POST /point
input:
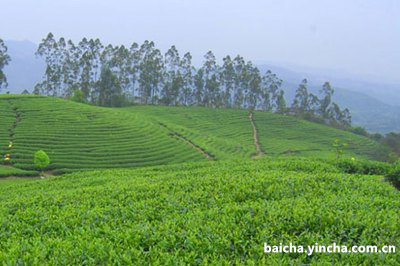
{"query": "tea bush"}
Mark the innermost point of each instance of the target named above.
(217, 213)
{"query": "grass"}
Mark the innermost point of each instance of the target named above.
(169, 215)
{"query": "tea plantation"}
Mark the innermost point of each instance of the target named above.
(177, 186)
(198, 213)
(78, 136)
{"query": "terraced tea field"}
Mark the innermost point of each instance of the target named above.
(169, 215)
(8, 171)
(78, 136)
(228, 133)
(225, 133)
(285, 135)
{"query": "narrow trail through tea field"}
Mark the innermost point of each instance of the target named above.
(259, 151)
(206, 154)
(14, 125)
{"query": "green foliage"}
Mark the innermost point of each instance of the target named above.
(109, 88)
(360, 131)
(356, 166)
(170, 216)
(339, 147)
(41, 159)
(78, 97)
(4, 60)
(394, 175)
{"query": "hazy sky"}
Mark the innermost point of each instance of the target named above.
(357, 36)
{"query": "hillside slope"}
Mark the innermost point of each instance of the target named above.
(228, 133)
(78, 136)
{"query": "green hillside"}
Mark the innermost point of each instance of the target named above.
(169, 215)
(78, 136)
(227, 133)
(282, 135)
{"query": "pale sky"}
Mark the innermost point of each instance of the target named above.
(361, 37)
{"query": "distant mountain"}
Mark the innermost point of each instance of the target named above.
(374, 106)
(25, 69)
(369, 111)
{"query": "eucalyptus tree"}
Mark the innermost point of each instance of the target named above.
(239, 66)
(301, 99)
(325, 102)
(134, 69)
(151, 72)
(4, 60)
(173, 80)
(71, 69)
(49, 49)
(254, 85)
(270, 87)
(227, 78)
(199, 90)
(187, 70)
(280, 102)
(90, 63)
(211, 83)
(109, 88)
(120, 64)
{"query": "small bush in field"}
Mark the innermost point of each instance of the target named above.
(41, 159)
(353, 166)
(394, 176)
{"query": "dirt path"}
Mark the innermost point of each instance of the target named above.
(259, 151)
(11, 130)
(190, 143)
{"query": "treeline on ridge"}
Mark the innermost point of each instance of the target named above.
(110, 75)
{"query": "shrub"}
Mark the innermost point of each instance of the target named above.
(41, 159)
(78, 96)
(353, 166)
(394, 176)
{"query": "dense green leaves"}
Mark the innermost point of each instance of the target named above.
(203, 213)
(41, 159)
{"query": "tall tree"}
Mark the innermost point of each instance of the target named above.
(90, 51)
(254, 92)
(199, 87)
(325, 102)
(4, 60)
(109, 88)
(227, 77)
(240, 76)
(211, 83)
(173, 80)
(151, 72)
(270, 91)
(280, 102)
(134, 69)
(48, 49)
(301, 99)
(187, 80)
